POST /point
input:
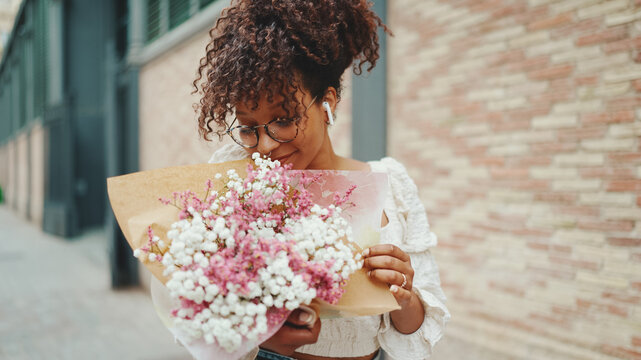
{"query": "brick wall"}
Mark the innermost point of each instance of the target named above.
(520, 122)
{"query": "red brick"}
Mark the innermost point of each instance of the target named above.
(506, 57)
(553, 72)
(607, 225)
(487, 161)
(528, 64)
(637, 85)
(551, 320)
(579, 264)
(530, 184)
(511, 125)
(538, 246)
(556, 198)
(564, 249)
(624, 298)
(527, 14)
(608, 117)
(509, 289)
(627, 242)
(574, 134)
(560, 19)
(553, 272)
(621, 352)
(624, 185)
(608, 35)
(591, 211)
(626, 158)
(509, 173)
(609, 173)
(623, 45)
(554, 95)
(639, 201)
(502, 12)
(467, 237)
(531, 232)
(583, 27)
(629, 103)
(586, 80)
(636, 341)
(530, 161)
(617, 310)
(553, 148)
(533, 109)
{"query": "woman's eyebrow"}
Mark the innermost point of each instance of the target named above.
(272, 106)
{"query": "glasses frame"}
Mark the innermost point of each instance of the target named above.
(266, 127)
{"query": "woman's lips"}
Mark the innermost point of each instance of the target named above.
(284, 158)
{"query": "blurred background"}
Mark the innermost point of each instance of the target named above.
(519, 120)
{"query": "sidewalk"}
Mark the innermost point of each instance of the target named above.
(56, 303)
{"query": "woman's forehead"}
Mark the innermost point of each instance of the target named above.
(264, 104)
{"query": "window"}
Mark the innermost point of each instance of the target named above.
(164, 15)
(153, 19)
(178, 12)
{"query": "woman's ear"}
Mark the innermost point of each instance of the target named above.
(331, 97)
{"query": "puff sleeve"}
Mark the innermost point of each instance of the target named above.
(413, 236)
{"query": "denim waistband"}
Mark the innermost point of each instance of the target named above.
(268, 355)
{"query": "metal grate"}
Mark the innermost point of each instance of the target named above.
(178, 12)
(153, 20)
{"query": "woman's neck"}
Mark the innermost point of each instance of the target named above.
(326, 159)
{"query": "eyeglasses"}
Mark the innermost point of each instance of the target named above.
(282, 130)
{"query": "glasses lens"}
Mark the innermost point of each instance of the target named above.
(244, 136)
(283, 130)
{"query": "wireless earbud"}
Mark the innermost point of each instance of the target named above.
(328, 109)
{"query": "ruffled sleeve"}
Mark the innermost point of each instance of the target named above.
(415, 238)
(228, 152)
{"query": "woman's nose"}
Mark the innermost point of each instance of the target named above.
(265, 143)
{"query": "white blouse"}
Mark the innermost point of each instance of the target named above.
(409, 230)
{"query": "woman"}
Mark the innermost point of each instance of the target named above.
(271, 79)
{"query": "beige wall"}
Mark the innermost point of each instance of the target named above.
(22, 169)
(520, 123)
(10, 193)
(22, 173)
(168, 124)
(37, 190)
(4, 169)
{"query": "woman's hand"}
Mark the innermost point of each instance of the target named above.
(295, 333)
(391, 265)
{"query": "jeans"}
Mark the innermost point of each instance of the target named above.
(268, 355)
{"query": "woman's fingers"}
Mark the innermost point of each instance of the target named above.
(293, 334)
(387, 262)
(386, 249)
(403, 296)
(390, 277)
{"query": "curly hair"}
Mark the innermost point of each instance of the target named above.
(267, 47)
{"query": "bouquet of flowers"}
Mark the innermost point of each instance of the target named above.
(254, 247)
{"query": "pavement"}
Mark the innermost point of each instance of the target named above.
(56, 303)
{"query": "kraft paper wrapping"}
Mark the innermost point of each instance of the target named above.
(134, 200)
